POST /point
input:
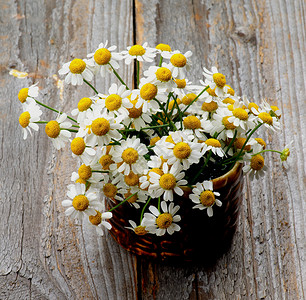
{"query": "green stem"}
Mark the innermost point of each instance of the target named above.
(160, 61)
(268, 150)
(90, 86)
(232, 142)
(122, 202)
(205, 164)
(59, 112)
(118, 76)
(159, 204)
(99, 171)
(144, 208)
(195, 99)
(68, 129)
(166, 114)
(137, 74)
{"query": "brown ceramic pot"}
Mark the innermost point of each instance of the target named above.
(201, 237)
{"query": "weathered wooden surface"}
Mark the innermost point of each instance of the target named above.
(259, 45)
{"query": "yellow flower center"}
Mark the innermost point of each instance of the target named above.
(154, 140)
(180, 83)
(132, 179)
(133, 199)
(188, 98)
(78, 146)
(129, 156)
(167, 181)
(109, 190)
(239, 144)
(157, 171)
(137, 50)
(84, 104)
(24, 119)
(106, 161)
(182, 150)
(133, 111)
(252, 104)
(213, 142)
(274, 107)
(80, 202)
(100, 126)
(257, 162)
(102, 56)
(211, 92)
(52, 129)
(113, 102)
(261, 142)
(207, 198)
(85, 172)
(192, 122)
(164, 220)
(178, 60)
(77, 66)
(228, 101)
(97, 219)
(266, 118)
(163, 47)
(227, 124)
(81, 180)
(163, 74)
(230, 90)
(240, 113)
(23, 95)
(148, 91)
(140, 230)
(211, 106)
(219, 80)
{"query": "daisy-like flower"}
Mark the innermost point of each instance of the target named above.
(99, 221)
(130, 156)
(82, 202)
(141, 53)
(81, 150)
(84, 106)
(105, 157)
(116, 103)
(76, 71)
(214, 145)
(241, 118)
(145, 180)
(183, 87)
(27, 119)
(138, 229)
(139, 197)
(179, 63)
(160, 76)
(182, 150)
(160, 223)
(255, 163)
(137, 117)
(163, 48)
(26, 95)
(266, 119)
(216, 80)
(112, 191)
(105, 58)
(56, 130)
(273, 110)
(204, 196)
(195, 124)
(99, 128)
(168, 183)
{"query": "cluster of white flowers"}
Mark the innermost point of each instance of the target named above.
(144, 144)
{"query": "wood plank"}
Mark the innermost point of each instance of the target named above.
(260, 47)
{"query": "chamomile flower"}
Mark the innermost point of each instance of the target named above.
(216, 80)
(112, 191)
(105, 157)
(99, 220)
(159, 223)
(116, 102)
(99, 129)
(138, 229)
(56, 130)
(136, 197)
(81, 150)
(85, 105)
(204, 196)
(273, 110)
(179, 63)
(183, 87)
(141, 53)
(195, 125)
(131, 154)
(28, 119)
(214, 145)
(26, 95)
(145, 180)
(162, 48)
(105, 58)
(168, 183)
(160, 76)
(270, 122)
(82, 202)
(76, 71)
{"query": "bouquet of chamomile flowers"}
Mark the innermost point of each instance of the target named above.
(139, 146)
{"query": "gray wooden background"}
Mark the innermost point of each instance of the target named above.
(259, 45)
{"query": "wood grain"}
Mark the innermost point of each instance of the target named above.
(259, 46)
